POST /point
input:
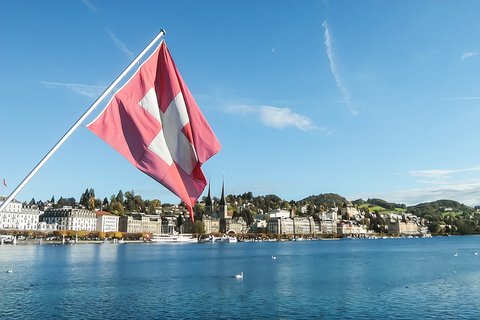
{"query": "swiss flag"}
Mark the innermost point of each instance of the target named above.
(155, 123)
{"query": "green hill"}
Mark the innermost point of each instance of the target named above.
(441, 207)
(326, 199)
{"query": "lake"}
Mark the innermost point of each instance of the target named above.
(420, 278)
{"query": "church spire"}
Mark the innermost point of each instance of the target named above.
(208, 203)
(222, 199)
(222, 205)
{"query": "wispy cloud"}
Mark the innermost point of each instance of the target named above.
(468, 194)
(120, 45)
(439, 173)
(90, 6)
(469, 54)
(461, 98)
(333, 68)
(275, 117)
(83, 89)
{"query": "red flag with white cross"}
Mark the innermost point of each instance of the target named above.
(155, 123)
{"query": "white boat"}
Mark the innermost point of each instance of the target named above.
(175, 238)
(210, 239)
(6, 238)
(226, 239)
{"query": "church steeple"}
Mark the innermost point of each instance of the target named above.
(222, 199)
(208, 203)
(222, 205)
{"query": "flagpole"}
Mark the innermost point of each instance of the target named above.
(79, 121)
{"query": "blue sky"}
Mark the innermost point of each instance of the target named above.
(361, 98)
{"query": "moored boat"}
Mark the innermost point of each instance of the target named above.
(175, 238)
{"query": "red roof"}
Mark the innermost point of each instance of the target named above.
(103, 213)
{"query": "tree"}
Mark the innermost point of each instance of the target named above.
(120, 198)
(98, 204)
(310, 210)
(117, 208)
(61, 203)
(198, 227)
(151, 209)
(91, 203)
(85, 198)
(32, 202)
(105, 204)
(53, 199)
(246, 214)
(198, 210)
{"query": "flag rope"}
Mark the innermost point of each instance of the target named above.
(79, 121)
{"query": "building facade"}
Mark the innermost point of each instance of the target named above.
(106, 221)
(68, 218)
(19, 217)
(235, 225)
(140, 223)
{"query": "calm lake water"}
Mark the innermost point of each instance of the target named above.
(346, 279)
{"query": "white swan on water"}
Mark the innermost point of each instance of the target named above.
(239, 275)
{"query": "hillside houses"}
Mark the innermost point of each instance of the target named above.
(227, 214)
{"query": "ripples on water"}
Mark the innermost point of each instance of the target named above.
(360, 279)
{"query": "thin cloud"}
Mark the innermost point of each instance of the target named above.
(468, 194)
(439, 173)
(469, 54)
(120, 45)
(279, 118)
(83, 89)
(333, 68)
(461, 98)
(90, 6)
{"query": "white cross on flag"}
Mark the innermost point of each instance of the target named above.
(155, 123)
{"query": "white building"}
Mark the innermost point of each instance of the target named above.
(71, 219)
(278, 225)
(259, 226)
(278, 213)
(303, 225)
(106, 221)
(19, 217)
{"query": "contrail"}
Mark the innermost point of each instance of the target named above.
(333, 67)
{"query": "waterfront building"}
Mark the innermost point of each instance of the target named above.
(211, 224)
(350, 229)
(235, 225)
(68, 218)
(45, 227)
(140, 223)
(186, 226)
(169, 224)
(19, 217)
(106, 221)
(303, 225)
(328, 226)
(259, 226)
(396, 225)
(279, 225)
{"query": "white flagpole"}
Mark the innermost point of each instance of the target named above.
(79, 121)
